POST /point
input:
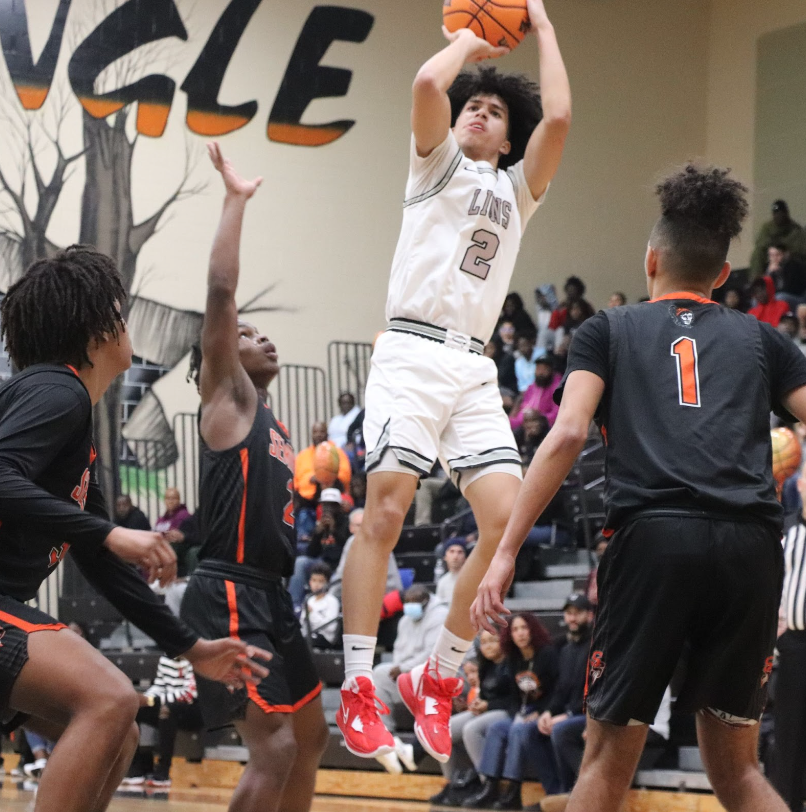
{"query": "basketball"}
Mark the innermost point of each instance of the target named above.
(326, 463)
(503, 23)
(786, 454)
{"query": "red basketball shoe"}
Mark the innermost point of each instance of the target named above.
(360, 722)
(430, 702)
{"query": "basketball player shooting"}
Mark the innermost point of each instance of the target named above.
(482, 156)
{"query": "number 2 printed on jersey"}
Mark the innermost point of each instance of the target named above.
(684, 351)
(477, 258)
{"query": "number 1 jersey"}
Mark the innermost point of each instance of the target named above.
(462, 228)
(686, 409)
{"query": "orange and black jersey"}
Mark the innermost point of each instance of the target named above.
(689, 386)
(246, 499)
(46, 482)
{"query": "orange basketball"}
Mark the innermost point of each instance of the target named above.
(786, 454)
(501, 22)
(326, 463)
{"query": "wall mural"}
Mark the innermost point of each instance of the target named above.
(91, 116)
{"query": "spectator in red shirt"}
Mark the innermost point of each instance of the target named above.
(767, 308)
(574, 291)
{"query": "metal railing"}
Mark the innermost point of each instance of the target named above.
(299, 399)
(347, 370)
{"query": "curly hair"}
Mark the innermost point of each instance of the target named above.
(538, 634)
(702, 210)
(518, 92)
(60, 305)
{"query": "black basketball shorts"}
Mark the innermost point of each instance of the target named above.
(17, 621)
(669, 581)
(257, 610)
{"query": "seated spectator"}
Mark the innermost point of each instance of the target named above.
(186, 544)
(505, 337)
(455, 555)
(175, 512)
(393, 582)
(539, 397)
(129, 516)
(767, 308)
(169, 705)
(574, 290)
(338, 425)
(423, 616)
(307, 488)
(735, 298)
(497, 699)
(327, 542)
(546, 301)
(578, 311)
(533, 659)
(525, 359)
(514, 311)
(358, 489)
(504, 363)
(616, 299)
(789, 275)
(322, 610)
(530, 434)
(356, 448)
(780, 230)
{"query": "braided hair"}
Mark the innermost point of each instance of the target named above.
(520, 94)
(702, 210)
(60, 305)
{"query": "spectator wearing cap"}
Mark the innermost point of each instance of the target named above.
(327, 542)
(455, 555)
(539, 397)
(780, 230)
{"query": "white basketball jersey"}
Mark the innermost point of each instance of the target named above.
(462, 228)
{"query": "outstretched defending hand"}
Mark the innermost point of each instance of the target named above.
(145, 549)
(233, 182)
(480, 49)
(228, 660)
(488, 609)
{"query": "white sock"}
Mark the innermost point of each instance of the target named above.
(449, 653)
(359, 653)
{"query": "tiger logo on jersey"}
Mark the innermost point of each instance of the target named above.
(597, 665)
(767, 672)
(681, 316)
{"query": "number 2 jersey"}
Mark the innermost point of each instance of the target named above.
(246, 505)
(462, 228)
(685, 413)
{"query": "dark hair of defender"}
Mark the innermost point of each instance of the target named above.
(60, 305)
(702, 210)
(194, 368)
(519, 93)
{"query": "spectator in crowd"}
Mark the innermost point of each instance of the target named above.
(617, 299)
(565, 716)
(504, 363)
(327, 542)
(423, 616)
(426, 493)
(508, 398)
(340, 423)
(505, 337)
(322, 610)
(574, 289)
(455, 555)
(186, 544)
(789, 326)
(527, 645)
(129, 516)
(781, 230)
(539, 397)
(530, 434)
(355, 447)
(789, 275)
(768, 308)
(578, 311)
(170, 704)
(358, 489)
(735, 298)
(393, 581)
(175, 512)
(497, 699)
(307, 488)
(546, 302)
(514, 311)
(41, 749)
(525, 359)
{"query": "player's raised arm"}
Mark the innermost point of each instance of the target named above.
(545, 147)
(431, 107)
(219, 339)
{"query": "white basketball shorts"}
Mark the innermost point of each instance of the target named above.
(426, 401)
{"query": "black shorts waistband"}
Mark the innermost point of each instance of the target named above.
(681, 512)
(242, 573)
(450, 338)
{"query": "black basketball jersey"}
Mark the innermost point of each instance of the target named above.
(246, 503)
(685, 413)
